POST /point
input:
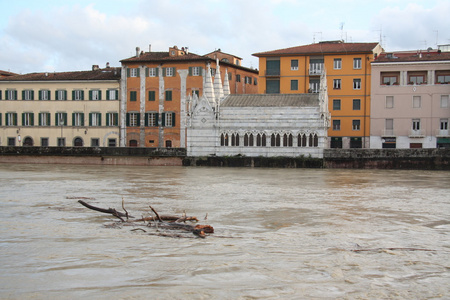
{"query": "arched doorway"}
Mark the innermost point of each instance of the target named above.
(78, 142)
(28, 141)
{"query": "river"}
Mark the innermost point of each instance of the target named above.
(279, 233)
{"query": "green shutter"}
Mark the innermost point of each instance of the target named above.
(65, 95)
(164, 72)
(32, 95)
(107, 119)
(128, 72)
(173, 119)
(146, 72)
(90, 95)
(163, 121)
(190, 71)
(73, 95)
(107, 94)
(82, 95)
(15, 119)
(173, 72)
(23, 119)
(157, 71)
(138, 120)
(0, 117)
(146, 119)
(99, 120)
(32, 119)
(90, 119)
(47, 115)
(56, 95)
(82, 119)
(138, 72)
(116, 119)
(0, 95)
(40, 95)
(73, 119)
(23, 94)
(128, 119)
(99, 95)
(40, 119)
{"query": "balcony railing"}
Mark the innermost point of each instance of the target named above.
(417, 133)
(273, 72)
(316, 69)
(443, 133)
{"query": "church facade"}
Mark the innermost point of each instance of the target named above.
(267, 125)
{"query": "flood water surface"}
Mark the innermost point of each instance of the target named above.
(279, 233)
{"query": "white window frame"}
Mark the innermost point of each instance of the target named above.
(152, 121)
(95, 95)
(169, 72)
(43, 116)
(28, 95)
(336, 84)
(45, 95)
(112, 94)
(95, 119)
(444, 101)
(195, 71)
(77, 118)
(168, 119)
(111, 118)
(11, 94)
(61, 95)
(151, 72)
(356, 125)
(78, 95)
(357, 63)
(443, 124)
(389, 102)
(338, 123)
(416, 124)
(133, 72)
(133, 120)
(9, 119)
(337, 64)
(357, 84)
(27, 119)
(294, 68)
(60, 119)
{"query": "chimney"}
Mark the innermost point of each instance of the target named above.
(138, 50)
(95, 67)
(107, 65)
(150, 48)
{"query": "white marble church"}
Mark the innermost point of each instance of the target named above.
(268, 125)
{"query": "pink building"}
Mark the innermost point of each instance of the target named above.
(410, 105)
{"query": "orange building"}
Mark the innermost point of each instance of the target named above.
(156, 87)
(348, 70)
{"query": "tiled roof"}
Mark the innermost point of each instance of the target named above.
(163, 57)
(100, 74)
(322, 48)
(412, 56)
(271, 100)
(6, 73)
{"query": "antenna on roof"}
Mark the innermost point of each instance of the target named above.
(341, 27)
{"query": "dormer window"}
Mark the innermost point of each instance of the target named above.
(172, 53)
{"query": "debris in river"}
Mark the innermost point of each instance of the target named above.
(159, 222)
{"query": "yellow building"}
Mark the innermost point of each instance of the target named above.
(61, 109)
(348, 70)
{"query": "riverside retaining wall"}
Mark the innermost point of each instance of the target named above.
(419, 159)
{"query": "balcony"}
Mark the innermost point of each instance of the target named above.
(316, 69)
(388, 133)
(443, 133)
(417, 133)
(273, 72)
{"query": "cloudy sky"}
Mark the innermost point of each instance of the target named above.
(70, 35)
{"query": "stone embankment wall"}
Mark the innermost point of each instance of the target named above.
(414, 159)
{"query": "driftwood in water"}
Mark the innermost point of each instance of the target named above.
(160, 222)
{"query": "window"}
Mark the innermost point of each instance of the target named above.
(112, 119)
(133, 119)
(151, 95)
(416, 79)
(248, 80)
(61, 119)
(27, 119)
(213, 72)
(112, 95)
(169, 72)
(356, 124)
(287, 140)
(255, 81)
(27, 95)
(389, 126)
(416, 124)
(11, 141)
(356, 104)
(389, 80)
(444, 124)
(294, 85)
(152, 72)
(44, 119)
(356, 84)
(168, 119)
(195, 71)
(336, 84)
(77, 119)
(444, 101)
(294, 64)
(301, 140)
(11, 119)
(78, 95)
(443, 79)
(78, 142)
(314, 86)
(389, 101)
(168, 95)
(61, 95)
(336, 124)
(238, 78)
(196, 92)
(95, 142)
(151, 119)
(44, 95)
(417, 101)
(275, 140)
(44, 142)
(95, 119)
(11, 95)
(336, 104)
(357, 63)
(337, 65)
(133, 72)
(61, 142)
(133, 95)
(112, 142)
(272, 86)
(95, 95)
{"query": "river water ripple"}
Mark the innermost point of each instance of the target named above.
(279, 233)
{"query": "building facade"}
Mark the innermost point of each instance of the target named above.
(410, 100)
(155, 87)
(265, 125)
(61, 109)
(347, 65)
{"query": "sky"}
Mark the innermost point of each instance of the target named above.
(73, 35)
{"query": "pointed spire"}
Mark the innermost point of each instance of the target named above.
(208, 89)
(218, 90)
(226, 84)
